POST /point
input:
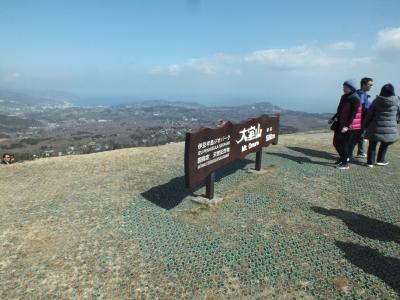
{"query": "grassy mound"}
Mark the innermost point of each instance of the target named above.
(121, 225)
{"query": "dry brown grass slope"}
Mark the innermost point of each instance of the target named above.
(82, 227)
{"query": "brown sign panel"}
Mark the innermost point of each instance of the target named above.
(208, 149)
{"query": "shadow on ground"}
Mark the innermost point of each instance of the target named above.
(318, 154)
(314, 153)
(372, 262)
(309, 153)
(363, 225)
(172, 193)
(299, 159)
(366, 258)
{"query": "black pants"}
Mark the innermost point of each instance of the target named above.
(358, 139)
(360, 143)
(343, 143)
(381, 152)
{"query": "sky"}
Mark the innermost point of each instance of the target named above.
(294, 54)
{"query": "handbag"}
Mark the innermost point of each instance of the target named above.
(335, 125)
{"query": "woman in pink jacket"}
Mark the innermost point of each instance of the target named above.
(348, 116)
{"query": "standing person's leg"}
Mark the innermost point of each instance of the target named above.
(352, 146)
(382, 153)
(371, 153)
(337, 142)
(345, 147)
(360, 144)
(350, 142)
(353, 141)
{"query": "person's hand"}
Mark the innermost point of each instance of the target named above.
(345, 129)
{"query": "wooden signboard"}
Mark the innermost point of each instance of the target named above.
(208, 149)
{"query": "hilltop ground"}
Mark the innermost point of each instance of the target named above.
(121, 225)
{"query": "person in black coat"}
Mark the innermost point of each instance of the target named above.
(381, 124)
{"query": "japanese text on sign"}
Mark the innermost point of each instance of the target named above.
(208, 149)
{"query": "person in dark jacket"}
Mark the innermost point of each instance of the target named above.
(366, 84)
(381, 124)
(348, 116)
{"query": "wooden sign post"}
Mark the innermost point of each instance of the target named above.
(208, 149)
(210, 185)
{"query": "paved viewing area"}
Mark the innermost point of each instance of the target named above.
(121, 225)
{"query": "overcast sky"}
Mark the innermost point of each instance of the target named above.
(295, 54)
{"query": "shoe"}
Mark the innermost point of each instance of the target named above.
(363, 155)
(382, 163)
(338, 162)
(343, 167)
(370, 165)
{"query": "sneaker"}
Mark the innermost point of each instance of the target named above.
(343, 167)
(338, 162)
(363, 155)
(382, 163)
(370, 165)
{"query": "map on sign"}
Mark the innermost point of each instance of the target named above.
(208, 149)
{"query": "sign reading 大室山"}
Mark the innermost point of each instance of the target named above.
(208, 149)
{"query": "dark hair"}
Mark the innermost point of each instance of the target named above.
(6, 154)
(365, 80)
(387, 90)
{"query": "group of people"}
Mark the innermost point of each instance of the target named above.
(7, 159)
(357, 119)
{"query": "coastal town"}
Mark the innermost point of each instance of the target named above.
(55, 128)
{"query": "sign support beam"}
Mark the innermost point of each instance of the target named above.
(210, 186)
(258, 160)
